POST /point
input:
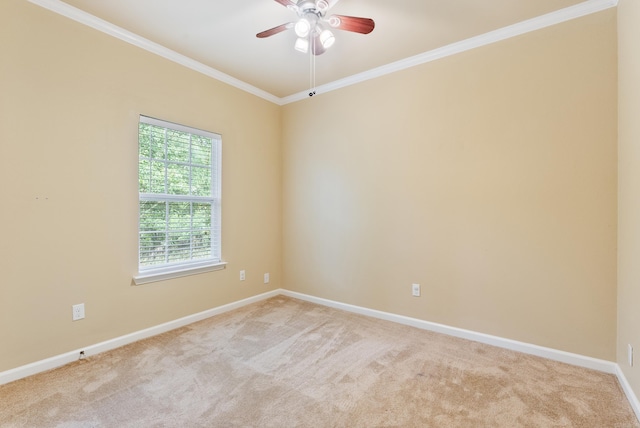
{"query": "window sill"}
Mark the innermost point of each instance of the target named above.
(155, 275)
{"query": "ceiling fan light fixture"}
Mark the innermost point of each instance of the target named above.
(314, 29)
(334, 21)
(327, 39)
(302, 27)
(302, 45)
(322, 5)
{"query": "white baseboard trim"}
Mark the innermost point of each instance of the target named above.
(514, 345)
(69, 357)
(527, 348)
(626, 387)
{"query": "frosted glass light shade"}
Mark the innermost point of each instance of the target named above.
(327, 39)
(302, 27)
(302, 45)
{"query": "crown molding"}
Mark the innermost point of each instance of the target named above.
(96, 23)
(579, 10)
(582, 9)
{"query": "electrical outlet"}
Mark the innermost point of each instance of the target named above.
(77, 312)
(630, 354)
(415, 290)
(266, 278)
(242, 275)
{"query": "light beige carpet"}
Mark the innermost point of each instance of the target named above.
(288, 363)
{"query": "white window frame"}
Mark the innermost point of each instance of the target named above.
(147, 274)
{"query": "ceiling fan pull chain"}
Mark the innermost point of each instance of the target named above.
(310, 74)
(312, 69)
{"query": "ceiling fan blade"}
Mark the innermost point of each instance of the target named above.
(352, 23)
(316, 45)
(275, 30)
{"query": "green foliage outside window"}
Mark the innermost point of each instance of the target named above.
(174, 166)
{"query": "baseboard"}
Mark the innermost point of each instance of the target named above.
(69, 357)
(626, 387)
(527, 348)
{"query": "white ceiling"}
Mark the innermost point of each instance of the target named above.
(222, 34)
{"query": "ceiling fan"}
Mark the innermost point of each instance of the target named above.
(312, 26)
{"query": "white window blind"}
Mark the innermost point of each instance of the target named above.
(179, 188)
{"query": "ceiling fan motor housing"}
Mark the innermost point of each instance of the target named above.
(317, 9)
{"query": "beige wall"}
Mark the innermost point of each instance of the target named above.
(488, 177)
(69, 104)
(629, 187)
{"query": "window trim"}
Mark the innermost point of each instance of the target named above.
(148, 274)
(171, 272)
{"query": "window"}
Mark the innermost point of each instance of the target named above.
(179, 188)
